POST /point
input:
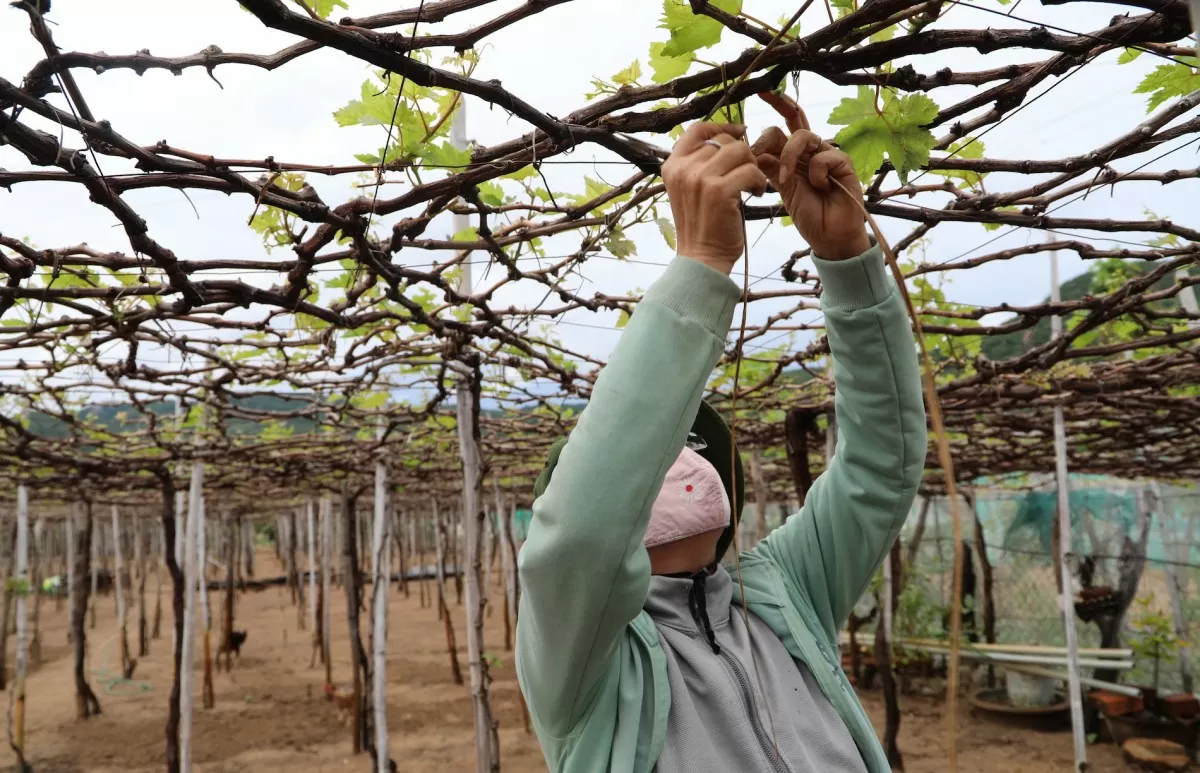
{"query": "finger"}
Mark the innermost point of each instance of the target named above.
(831, 165)
(799, 147)
(747, 178)
(771, 142)
(731, 155)
(787, 107)
(697, 133)
(769, 165)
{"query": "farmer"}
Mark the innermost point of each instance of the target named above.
(632, 649)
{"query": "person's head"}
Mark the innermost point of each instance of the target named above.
(689, 529)
(688, 517)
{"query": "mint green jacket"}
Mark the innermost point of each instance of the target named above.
(589, 659)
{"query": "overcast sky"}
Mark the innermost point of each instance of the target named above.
(548, 61)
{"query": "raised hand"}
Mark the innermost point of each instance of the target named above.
(708, 170)
(817, 182)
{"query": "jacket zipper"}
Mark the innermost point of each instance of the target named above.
(748, 696)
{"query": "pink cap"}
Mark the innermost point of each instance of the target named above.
(692, 501)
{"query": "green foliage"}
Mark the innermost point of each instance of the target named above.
(18, 586)
(1168, 81)
(619, 244)
(689, 31)
(1152, 634)
(274, 225)
(968, 148)
(667, 228)
(1129, 55)
(895, 129)
(323, 7)
(667, 68)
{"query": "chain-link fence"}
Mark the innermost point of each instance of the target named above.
(1139, 540)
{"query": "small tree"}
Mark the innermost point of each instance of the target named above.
(1153, 635)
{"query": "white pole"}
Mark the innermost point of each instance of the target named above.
(71, 589)
(118, 567)
(21, 574)
(188, 649)
(1067, 600)
(312, 569)
(326, 575)
(202, 565)
(380, 565)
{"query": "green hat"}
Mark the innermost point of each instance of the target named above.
(711, 439)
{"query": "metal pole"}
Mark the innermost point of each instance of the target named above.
(1065, 554)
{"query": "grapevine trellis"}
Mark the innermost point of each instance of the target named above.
(296, 373)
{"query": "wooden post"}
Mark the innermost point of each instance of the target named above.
(231, 530)
(248, 536)
(312, 568)
(156, 631)
(86, 704)
(127, 663)
(443, 607)
(22, 590)
(326, 515)
(760, 496)
(397, 532)
(380, 551)
(95, 570)
(40, 550)
(351, 576)
(487, 745)
(209, 699)
(507, 566)
(513, 589)
(139, 559)
(69, 528)
(191, 556)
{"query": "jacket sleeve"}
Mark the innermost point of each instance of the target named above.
(854, 511)
(584, 572)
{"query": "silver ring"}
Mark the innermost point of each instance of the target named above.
(714, 143)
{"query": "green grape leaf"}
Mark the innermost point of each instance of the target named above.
(491, 193)
(524, 173)
(445, 155)
(1170, 80)
(1129, 55)
(622, 319)
(667, 68)
(898, 132)
(692, 32)
(629, 75)
(620, 245)
(993, 226)
(967, 147)
(325, 7)
(667, 229)
(371, 109)
(469, 234)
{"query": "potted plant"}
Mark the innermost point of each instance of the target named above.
(1171, 717)
(1153, 638)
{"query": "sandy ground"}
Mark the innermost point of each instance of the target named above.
(271, 715)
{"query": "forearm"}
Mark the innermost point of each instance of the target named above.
(854, 511)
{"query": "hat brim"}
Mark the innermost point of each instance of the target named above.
(719, 451)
